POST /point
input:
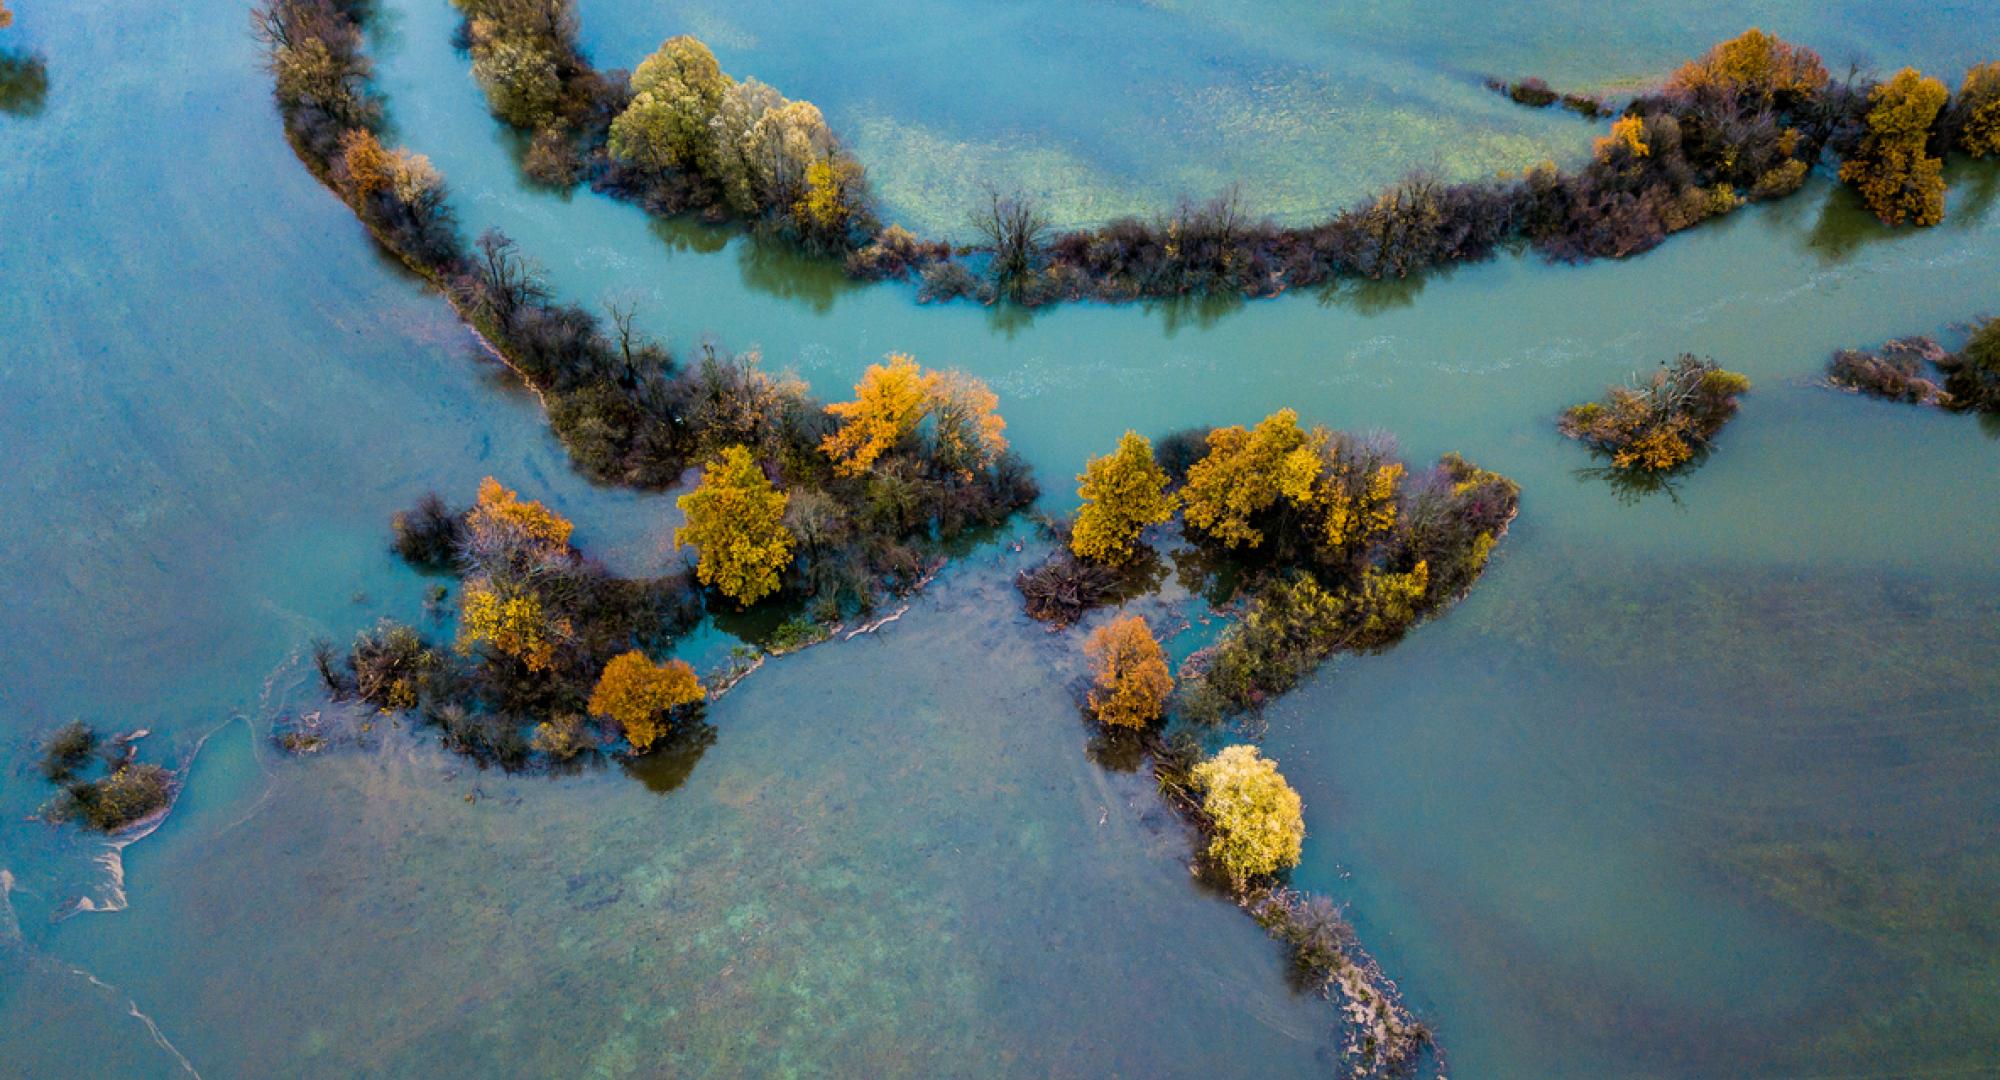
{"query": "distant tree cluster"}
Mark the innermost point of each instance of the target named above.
(692, 135)
(1660, 424)
(1921, 371)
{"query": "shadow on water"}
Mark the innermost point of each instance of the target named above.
(1374, 297)
(24, 83)
(1634, 486)
(669, 764)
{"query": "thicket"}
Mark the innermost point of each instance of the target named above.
(103, 784)
(1921, 371)
(1660, 424)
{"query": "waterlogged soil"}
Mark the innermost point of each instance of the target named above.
(1695, 782)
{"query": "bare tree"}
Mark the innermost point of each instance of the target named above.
(1015, 228)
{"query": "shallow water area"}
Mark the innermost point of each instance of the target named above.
(1699, 783)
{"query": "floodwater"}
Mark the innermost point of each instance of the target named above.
(1698, 783)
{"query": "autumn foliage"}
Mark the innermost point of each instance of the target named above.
(1978, 106)
(736, 519)
(1123, 492)
(640, 695)
(894, 398)
(1258, 821)
(1895, 175)
(1132, 679)
(1753, 64)
(1659, 425)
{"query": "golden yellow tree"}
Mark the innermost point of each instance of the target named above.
(1258, 819)
(1753, 64)
(1132, 679)
(500, 513)
(1247, 472)
(1979, 102)
(1628, 133)
(889, 402)
(1362, 507)
(736, 519)
(1123, 492)
(369, 168)
(1895, 177)
(513, 622)
(640, 695)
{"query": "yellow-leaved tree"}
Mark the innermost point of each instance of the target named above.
(1895, 177)
(642, 695)
(1132, 679)
(1247, 472)
(513, 622)
(1123, 492)
(966, 425)
(1258, 819)
(736, 519)
(1979, 106)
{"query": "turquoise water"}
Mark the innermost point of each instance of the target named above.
(1697, 785)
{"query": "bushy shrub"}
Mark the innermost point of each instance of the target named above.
(67, 750)
(1659, 425)
(428, 535)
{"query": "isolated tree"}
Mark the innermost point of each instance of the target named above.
(1258, 819)
(1123, 492)
(676, 92)
(736, 519)
(641, 695)
(1894, 175)
(1132, 679)
(6, 17)
(889, 402)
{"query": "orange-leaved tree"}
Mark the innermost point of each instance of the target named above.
(736, 519)
(889, 402)
(501, 515)
(1123, 492)
(1132, 680)
(642, 695)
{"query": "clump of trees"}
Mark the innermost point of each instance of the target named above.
(691, 136)
(1921, 371)
(1340, 546)
(1663, 423)
(1132, 681)
(103, 784)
